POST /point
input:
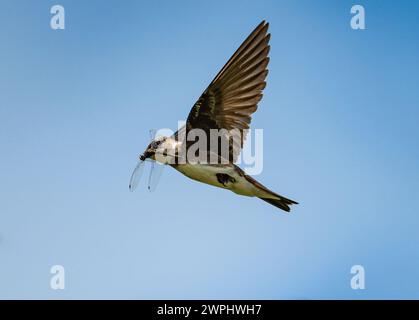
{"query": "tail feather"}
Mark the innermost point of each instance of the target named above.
(282, 203)
(276, 200)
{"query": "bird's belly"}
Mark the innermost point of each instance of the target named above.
(203, 173)
(208, 174)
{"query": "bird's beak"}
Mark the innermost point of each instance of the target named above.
(147, 154)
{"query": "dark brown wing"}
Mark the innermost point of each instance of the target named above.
(233, 95)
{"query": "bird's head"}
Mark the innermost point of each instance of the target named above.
(155, 146)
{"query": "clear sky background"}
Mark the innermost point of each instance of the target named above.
(340, 118)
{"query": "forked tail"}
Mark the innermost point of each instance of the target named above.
(281, 203)
(276, 200)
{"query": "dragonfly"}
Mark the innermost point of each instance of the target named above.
(156, 170)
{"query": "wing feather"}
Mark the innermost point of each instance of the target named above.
(233, 95)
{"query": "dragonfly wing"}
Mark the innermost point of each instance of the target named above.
(155, 174)
(136, 175)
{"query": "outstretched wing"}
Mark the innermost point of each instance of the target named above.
(233, 95)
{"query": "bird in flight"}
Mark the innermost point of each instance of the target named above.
(225, 106)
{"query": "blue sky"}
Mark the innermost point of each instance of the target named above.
(339, 116)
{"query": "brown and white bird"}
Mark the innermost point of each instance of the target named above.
(227, 103)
